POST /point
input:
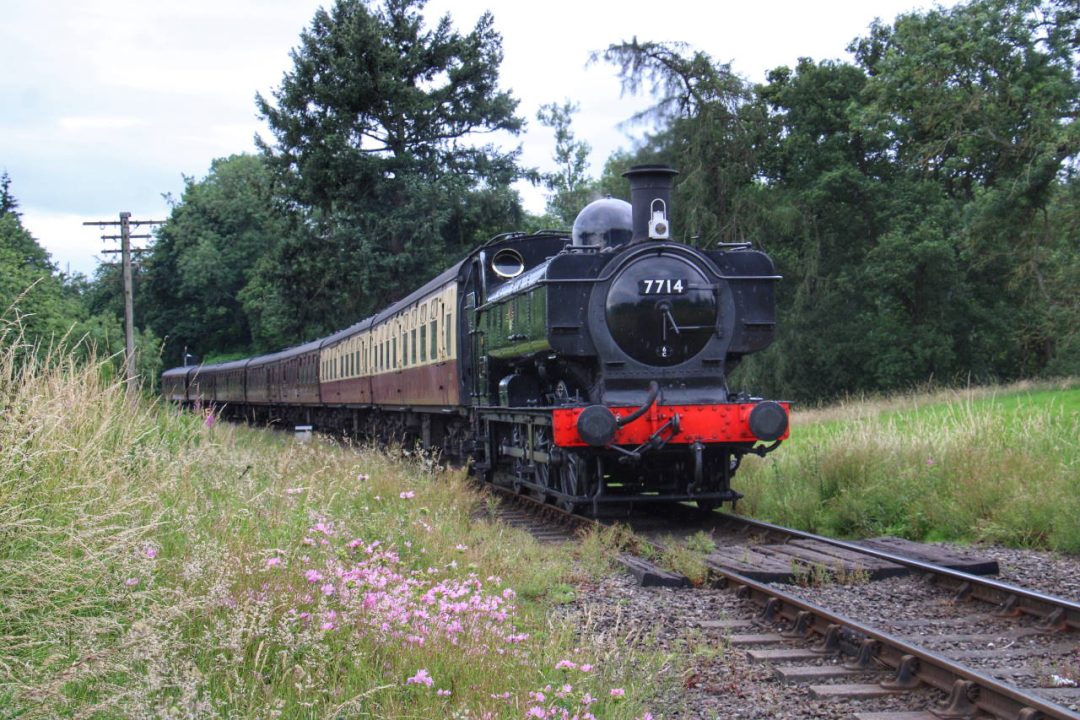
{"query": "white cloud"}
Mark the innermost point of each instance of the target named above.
(99, 122)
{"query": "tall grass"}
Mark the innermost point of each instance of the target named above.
(998, 465)
(160, 564)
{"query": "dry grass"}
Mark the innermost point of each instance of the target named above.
(157, 564)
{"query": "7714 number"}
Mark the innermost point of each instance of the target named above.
(665, 286)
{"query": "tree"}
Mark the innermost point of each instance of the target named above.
(981, 100)
(709, 129)
(32, 297)
(8, 203)
(570, 186)
(42, 309)
(205, 256)
(917, 201)
(376, 151)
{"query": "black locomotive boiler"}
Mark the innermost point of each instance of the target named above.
(589, 368)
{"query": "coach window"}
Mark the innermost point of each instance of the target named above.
(423, 344)
(412, 347)
(449, 334)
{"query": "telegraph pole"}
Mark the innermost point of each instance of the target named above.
(125, 237)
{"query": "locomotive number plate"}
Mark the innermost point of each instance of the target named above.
(663, 286)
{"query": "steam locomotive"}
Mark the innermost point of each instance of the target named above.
(588, 369)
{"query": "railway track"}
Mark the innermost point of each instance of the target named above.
(985, 645)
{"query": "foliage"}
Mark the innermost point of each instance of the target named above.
(709, 130)
(570, 186)
(46, 310)
(205, 256)
(907, 198)
(375, 131)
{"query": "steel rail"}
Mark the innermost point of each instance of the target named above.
(1057, 612)
(968, 688)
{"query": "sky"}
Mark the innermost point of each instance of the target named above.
(107, 105)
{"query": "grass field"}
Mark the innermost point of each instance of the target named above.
(994, 464)
(158, 564)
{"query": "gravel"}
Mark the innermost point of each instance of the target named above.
(707, 678)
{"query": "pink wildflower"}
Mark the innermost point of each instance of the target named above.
(461, 547)
(586, 668)
(929, 462)
(421, 678)
(617, 692)
(408, 494)
(210, 420)
(536, 712)
(131, 582)
(273, 562)
(327, 589)
(587, 699)
(509, 594)
(443, 693)
(313, 576)
(363, 477)
(538, 696)
(328, 625)
(294, 491)
(565, 665)
(151, 552)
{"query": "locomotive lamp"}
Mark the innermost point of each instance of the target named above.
(658, 224)
(650, 196)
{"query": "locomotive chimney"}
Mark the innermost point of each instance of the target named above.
(650, 195)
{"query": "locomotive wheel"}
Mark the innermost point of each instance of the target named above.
(573, 479)
(544, 476)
